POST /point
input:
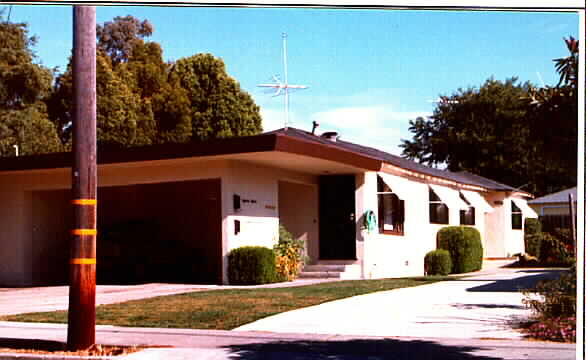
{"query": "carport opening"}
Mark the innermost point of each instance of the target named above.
(163, 232)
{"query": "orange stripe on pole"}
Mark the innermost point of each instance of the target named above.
(84, 202)
(83, 261)
(84, 232)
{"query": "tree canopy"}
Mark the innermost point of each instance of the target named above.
(24, 85)
(507, 131)
(143, 100)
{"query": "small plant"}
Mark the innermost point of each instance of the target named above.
(289, 254)
(554, 250)
(251, 265)
(464, 245)
(438, 262)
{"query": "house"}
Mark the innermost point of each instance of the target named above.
(554, 204)
(174, 212)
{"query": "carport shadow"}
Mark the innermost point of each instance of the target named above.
(517, 284)
(354, 349)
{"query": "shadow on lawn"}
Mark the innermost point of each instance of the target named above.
(374, 349)
(517, 284)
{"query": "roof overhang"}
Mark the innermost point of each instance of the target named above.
(274, 150)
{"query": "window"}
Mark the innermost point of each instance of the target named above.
(391, 210)
(438, 211)
(467, 217)
(516, 217)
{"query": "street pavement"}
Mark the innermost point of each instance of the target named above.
(184, 344)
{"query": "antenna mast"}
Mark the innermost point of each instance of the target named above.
(283, 88)
(286, 80)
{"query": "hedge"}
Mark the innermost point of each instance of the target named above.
(251, 265)
(533, 237)
(464, 245)
(438, 262)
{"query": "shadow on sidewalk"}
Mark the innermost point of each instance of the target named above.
(517, 284)
(354, 349)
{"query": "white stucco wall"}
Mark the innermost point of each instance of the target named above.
(403, 255)
(395, 255)
(259, 220)
(298, 212)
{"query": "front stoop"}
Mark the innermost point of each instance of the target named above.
(331, 271)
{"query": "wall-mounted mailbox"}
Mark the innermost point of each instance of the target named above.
(236, 202)
(236, 227)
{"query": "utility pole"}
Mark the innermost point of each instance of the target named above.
(81, 329)
(573, 222)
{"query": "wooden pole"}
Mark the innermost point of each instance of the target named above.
(573, 222)
(81, 331)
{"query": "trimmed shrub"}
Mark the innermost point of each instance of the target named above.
(438, 262)
(251, 265)
(533, 237)
(464, 245)
(289, 255)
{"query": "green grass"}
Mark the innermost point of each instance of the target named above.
(226, 309)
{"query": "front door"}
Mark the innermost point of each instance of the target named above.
(337, 224)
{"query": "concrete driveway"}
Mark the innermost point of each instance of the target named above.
(482, 306)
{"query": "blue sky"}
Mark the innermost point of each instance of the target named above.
(369, 71)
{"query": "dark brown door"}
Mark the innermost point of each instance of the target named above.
(337, 224)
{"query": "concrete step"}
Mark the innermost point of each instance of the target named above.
(328, 271)
(320, 275)
(323, 267)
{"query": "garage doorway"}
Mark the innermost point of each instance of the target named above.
(163, 232)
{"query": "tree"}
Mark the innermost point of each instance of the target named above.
(143, 100)
(122, 119)
(118, 38)
(23, 87)
(513, 133)
(558, 105)
(482, 131)
(218, 107)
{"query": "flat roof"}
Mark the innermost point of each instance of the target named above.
(289, 140)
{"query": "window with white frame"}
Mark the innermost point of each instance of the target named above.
(516, 217)
(438, 210)
(467, 217)
(391, 210)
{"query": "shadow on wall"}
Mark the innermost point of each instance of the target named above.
(354, 349)
(518, 284)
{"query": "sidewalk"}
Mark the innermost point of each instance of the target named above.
(52, 298)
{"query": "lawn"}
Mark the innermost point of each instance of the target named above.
(226, 309)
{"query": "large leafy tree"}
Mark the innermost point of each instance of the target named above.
(219, 108)
(558, 105)
(122, 119)
(507, 131)
(24, 85)
(480, 130)
(144, 100)
(119, 38)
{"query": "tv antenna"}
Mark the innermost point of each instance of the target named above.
(282, 88)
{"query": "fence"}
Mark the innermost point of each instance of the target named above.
(551, 222)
